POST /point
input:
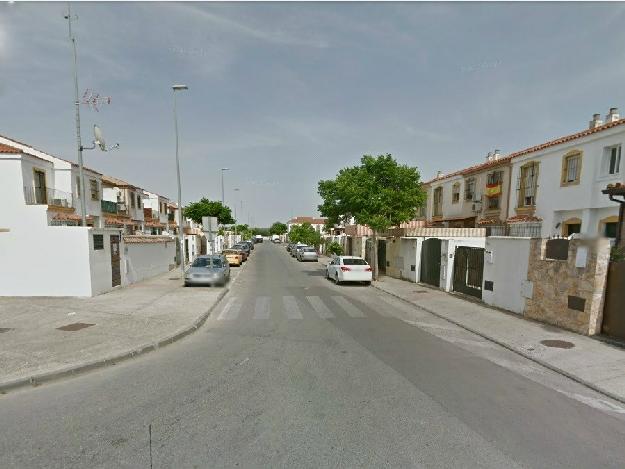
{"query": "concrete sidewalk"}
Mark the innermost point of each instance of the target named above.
(121, 324)
(589, 361)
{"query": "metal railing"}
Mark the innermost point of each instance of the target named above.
(109, 207)
(48, 196)
(521, 230)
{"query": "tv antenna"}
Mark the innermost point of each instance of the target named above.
(93, 100)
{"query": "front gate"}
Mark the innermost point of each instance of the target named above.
(431, 262)
(613, 310)
(382, 256)
(116, 278)
(469, 270)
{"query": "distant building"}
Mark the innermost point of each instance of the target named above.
(317, 223)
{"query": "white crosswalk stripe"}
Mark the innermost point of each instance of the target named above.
(319, 306)
(349, 308)
(231, 310)
(291, 309)
(261, 309)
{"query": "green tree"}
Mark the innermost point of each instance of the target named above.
(379, 193)
(305, 233)
(278, 228)
(334, 248)
(208, 208)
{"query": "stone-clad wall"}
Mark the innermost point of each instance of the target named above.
(555, 281)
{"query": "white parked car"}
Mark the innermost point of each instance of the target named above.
(349, 269)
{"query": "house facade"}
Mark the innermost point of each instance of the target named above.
(319, 224)
(41, 227)
(559, 183)
(551, 189)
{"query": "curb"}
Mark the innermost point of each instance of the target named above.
(38, 379)
(520, 352)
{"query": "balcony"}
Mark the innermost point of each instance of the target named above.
(48, 196)
(171, 217)
(109, 207)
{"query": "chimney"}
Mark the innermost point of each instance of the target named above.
(497, 154)
(439, 174)
(612, 115)
(595, 122)
(489, 157)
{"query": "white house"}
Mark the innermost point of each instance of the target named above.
(43, 249)
(560, 182)
(317, 223)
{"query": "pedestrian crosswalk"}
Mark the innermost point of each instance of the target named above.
(291, 307)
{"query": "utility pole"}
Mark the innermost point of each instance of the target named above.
(181, 228)
(82, 188)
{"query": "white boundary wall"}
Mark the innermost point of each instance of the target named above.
(145, 260)
(506, 262)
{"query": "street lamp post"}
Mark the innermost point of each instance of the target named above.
(180, 226)
(223, 199)
(235, 216)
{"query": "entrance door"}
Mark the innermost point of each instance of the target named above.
(431, 262)
(613, 311)
(382, 256)
(115, 264)
(40, 187)
(469, 270)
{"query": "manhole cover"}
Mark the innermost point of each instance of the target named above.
(74, 327)
(557, 343)
(5, 329)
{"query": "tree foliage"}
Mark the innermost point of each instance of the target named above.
(379, 193)
(334, 248)
(208, 208)
(305, 233)
(278, 228)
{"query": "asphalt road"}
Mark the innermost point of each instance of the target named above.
(293, 371)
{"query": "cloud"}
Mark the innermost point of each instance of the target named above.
(231, 26)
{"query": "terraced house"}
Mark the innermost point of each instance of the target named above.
(550, 189)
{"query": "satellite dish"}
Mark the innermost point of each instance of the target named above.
(98, 138)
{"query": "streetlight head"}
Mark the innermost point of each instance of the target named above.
(225, 169)
(180, 87)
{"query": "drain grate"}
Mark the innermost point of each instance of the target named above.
(74, 326)
(5, 329)
(420, 291)
(557, 343)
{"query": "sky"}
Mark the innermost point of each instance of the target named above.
(286, 94)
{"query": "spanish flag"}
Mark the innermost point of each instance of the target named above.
(493, 190)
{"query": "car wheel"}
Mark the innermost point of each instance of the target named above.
(367, 284)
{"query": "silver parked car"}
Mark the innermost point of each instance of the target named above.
(208, 270)
(295, 249)
(307, 253)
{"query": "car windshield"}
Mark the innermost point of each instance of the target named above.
(206, 262)
(354, 262)
(309, 250)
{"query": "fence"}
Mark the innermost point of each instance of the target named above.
(48, 196)
(519, 230)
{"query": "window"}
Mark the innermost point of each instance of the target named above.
(572, 228)
(527, 185)
(494, 181)
(421, 209)
(354, 261)
(138, 201)
(98, 242)
(95, 190)
(571, 168)
(132, 200)
(609, 230)
(493, 202)
(469, 191)
(611, 163)
(438, 202)
(455, 193)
